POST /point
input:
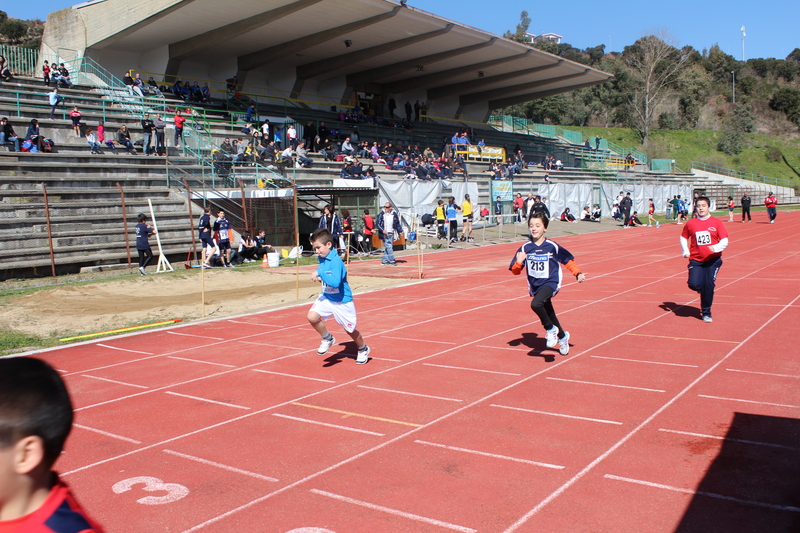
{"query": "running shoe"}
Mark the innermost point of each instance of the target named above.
(563, 344)
(363, 355)
(325, 345)
(551, 337)
(707, 319)
(141, 269)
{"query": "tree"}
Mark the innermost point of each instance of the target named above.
(596, 54)
(787, 100)
(14, 30)
(794, 55)
(521, 33)
(3, 16)
(655, 68)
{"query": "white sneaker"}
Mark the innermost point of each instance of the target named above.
(363, 355)
(551, 337)
(771, 221)
(563, 344)
(142, 270)
(325, 345)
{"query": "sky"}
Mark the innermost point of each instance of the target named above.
(771, 28)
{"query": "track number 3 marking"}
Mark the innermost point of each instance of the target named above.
(174, 491)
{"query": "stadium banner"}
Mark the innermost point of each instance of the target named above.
(473, 151)
(504, 189)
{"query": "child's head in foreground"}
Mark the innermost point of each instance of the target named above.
(322, 241)
(35, 419)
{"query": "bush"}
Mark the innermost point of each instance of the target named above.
(666, 121)
(774, 154)
(787, 100)
(731, 143)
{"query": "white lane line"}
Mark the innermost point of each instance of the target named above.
(193, 335)
(411, 393)
(123, 349)
(107, 434)
(419, 340)
(704, 493)
(743, 441)
(606, 384)
(557, 414)
(253, 324)
(206, 400)
(748, 401)
(270, 345)
(486, 454)
(199, 361)
(763, 373)
(473, 369)
(523, 349)
(328, 425)
(395, 512)
(292, 375)
(114, 381)
(220, 465)
(640, 361)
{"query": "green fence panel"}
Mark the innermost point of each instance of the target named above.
(575, 137)
(545, 130)
(661, 165)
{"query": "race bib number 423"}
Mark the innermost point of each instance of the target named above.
(703, 238)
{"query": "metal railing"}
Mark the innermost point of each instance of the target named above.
(750, 176)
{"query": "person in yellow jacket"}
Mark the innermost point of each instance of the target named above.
(441, 217)
(466, 213)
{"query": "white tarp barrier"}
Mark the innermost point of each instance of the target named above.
(411, 196)
(360, 183)
(641, 194)
(562, 195)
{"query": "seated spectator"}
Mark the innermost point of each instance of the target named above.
(7, 134)
(302, 156)
(634, 220)
(286, 156)
(364, 151)
(566, 216)
(92, 140)
(347, 147)
(233, 84)
(63, 76)
(153, 87)
(186, 91)
(141, 84)
(248, 249)
(176, 87)
(133, 89)
(596, 213)
(124, 139)
(558, 165)
(206, 93)
(5, 71)
(370, 172)
(616, 214)
(227, 148)
(586, 214)
(546, 178)
(34, 138)
(269, 152)
(197, 93)
(262, 248)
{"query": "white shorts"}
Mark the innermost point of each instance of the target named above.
(343, 313)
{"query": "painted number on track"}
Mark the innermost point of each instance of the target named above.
(174, 491)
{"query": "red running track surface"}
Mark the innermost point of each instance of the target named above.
(463, 420)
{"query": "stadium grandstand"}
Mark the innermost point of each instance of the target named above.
(365, 71)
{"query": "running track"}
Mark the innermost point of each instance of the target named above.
(463, 420)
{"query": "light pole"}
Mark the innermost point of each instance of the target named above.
(733, 87)
(743, 36)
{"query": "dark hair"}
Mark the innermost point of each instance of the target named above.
(705, 198)
(322, 236)
(33, 402)
(366, 211)
(541, 216)
(345, 213)
(142, 217)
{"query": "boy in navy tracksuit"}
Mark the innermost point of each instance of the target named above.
(336, 299)
(542, 258)
(143, 232)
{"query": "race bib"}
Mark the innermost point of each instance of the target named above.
(223, 235)
(703, 238)
(330, 290)
(539, 266)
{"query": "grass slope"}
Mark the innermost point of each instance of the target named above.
(701, 145)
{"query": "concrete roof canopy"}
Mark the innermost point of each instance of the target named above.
(328, 49)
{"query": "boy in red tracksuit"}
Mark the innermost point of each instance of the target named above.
(772, 207)
(702, 240)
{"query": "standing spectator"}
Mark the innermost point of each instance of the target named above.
(369, 231)
(159, 125)
(143, 232)
(7, 133)
(651, 209)
(452, 218)
(124, 139)
(147, 129)
(55, 99)
(498, 210)
(519, 208)
(416, 111)
(101, 133)
(223, 234)
(75, 115)
(668, 208)
(392, 106)
(291, 136)
(440, 213)
(703, 240)
(388, 225)
(746, 208)
(204, 232)
(597, 142)
(179, 121)
(330, 221)
(408, 109)
(93, 144)
(423, 112)
(309, 134)
(731, 207)
(771, 201)
(625, 206)
(46, 73)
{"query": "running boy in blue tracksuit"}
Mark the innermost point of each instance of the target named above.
(143, 232)
(541, 258)
(336, 298)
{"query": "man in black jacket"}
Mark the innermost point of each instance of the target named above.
(625, 206)
(746, 208)
(147, 129)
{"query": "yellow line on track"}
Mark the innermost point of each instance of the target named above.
(349, 414)
(680, 338)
